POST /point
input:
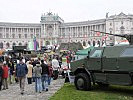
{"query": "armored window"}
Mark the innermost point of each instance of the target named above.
(128, 52)
(97, 53)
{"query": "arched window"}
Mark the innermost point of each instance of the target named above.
(20, 44)
(84, 43)
(13, 44)
(7, 45)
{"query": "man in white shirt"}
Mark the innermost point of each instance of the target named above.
(55, 66)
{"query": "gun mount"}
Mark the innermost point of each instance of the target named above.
(129, 37)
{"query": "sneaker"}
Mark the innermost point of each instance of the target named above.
(22, 93)
(46, 89)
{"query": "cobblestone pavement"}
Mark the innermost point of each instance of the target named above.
(13, 93)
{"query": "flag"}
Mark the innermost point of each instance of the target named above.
(98, 33)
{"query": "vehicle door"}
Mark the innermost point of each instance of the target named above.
(110, 58)
(94, 62)
(125, 61)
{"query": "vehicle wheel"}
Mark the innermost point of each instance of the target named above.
(103, 85)
(82, 82)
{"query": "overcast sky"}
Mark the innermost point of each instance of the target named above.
(29, 11)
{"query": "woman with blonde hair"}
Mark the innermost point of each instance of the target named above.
(29, 74)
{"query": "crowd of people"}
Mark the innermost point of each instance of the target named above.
(40, 70)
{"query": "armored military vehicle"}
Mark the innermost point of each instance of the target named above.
(105, 66)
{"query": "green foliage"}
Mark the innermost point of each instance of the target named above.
(68, 92)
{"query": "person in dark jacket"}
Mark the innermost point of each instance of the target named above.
(45, 73)
(21, 71)
(1, 73)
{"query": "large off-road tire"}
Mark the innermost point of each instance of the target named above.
(82, 82)
(103, 85)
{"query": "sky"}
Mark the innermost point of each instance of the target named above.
(30, 11)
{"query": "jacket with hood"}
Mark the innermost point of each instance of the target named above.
(37, 70)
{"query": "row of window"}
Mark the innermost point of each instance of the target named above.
(20, 30)
(8, 44)
(19, 35)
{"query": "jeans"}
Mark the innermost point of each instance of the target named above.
(45, 81)
(38, 84)
(49, 80)
(0, 82)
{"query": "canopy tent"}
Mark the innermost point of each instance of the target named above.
(84, 51)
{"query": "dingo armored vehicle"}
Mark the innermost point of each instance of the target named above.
(105, 65)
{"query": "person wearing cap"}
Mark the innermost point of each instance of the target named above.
(5, 75)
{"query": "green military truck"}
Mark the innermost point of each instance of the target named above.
(104, 66)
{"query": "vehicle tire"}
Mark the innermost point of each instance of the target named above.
(82, 82)
(103, 85)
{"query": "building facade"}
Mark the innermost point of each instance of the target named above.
(52, 30)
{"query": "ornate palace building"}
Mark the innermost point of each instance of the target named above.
(52, 30)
